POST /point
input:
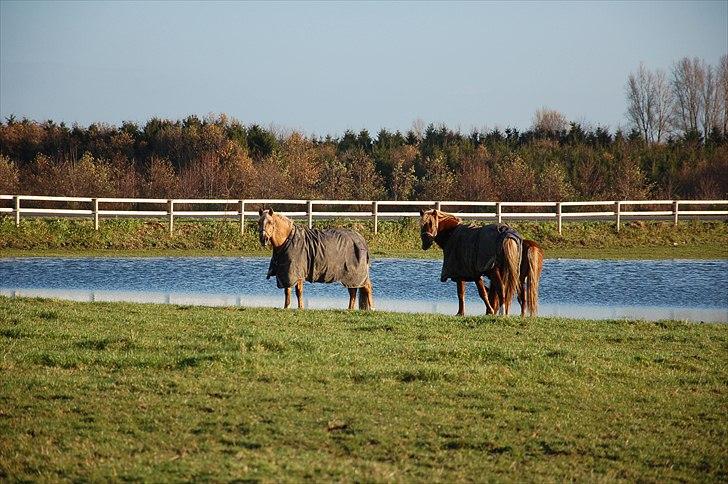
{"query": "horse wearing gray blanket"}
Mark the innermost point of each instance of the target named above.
(333, 255)
(470, 252)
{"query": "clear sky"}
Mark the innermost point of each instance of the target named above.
(326, 67)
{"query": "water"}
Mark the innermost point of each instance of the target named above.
(671, 289)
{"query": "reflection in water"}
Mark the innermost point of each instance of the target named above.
(692, 290)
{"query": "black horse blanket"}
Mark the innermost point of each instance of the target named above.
(471, 251)
(321, 256)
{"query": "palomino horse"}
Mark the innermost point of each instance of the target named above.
(530, 275)
(317, 256)
(469, 252)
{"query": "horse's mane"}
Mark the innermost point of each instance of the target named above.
(446, 221)
(283, 225)
(277, 216)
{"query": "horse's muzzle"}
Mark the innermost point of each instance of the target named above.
(427, 240)
(264, 240)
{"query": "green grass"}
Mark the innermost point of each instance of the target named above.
(63, 237)
(113, 391)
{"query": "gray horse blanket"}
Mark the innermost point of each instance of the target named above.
(321, 256)
(471, 251)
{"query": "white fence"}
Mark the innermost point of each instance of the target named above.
(496, 211)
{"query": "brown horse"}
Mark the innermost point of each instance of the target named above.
(469, 252)
(316, 256)
(530, 275)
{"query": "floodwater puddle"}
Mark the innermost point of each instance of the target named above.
(594, 289)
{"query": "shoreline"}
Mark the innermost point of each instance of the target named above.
(587, 313)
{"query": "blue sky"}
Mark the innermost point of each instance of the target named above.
(326, 67)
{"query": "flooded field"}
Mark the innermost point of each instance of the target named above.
(695, 290)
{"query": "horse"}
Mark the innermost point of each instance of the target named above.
(530, 275)
(469, 252)
(317, 256)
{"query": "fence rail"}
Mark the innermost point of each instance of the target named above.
(555, 210)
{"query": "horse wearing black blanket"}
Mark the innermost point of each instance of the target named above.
(469, 252)
(315, 255)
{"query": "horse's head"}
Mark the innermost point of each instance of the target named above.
(266, 226)
(273, 228)
(428, 227)
(433, 222)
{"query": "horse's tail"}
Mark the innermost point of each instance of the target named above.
(511, 270)
(366, 297)
(535, 265)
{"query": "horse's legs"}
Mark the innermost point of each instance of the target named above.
(461, 298)
(287, 293)
(366, 299)
(483, 293)
(352, 297)
(299, 293)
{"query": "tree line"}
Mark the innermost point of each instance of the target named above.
(671, 150)
(690, 101)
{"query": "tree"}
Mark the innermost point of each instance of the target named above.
(418, 128)
(628, 180)
(261, 142)
(639, 101)
(688, 79)
(708, 95)
(554, 183)
(516, 180)
(402, 176)
(663, 105)
(367, 184)
(335, 182)
(475, 178)
(722, 95)
(9, 176)
(649, 103)
(301, 159)
(549, 121)
(437, 181)
(161, 180)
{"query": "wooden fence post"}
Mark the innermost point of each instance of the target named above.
(170, 214)
(558, 216)
(375, 215)
(618, 212)
(309, 211)
(17, 210)
(96, 213)
(438, 205)
(242, 217)
(675, 211)
(499, 211)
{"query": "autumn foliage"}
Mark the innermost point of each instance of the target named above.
(217, 157)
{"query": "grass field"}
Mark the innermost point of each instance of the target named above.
(636, 240)
(100, 391)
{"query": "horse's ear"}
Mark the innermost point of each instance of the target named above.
(260, 212)
(422, 212)
(270, 211)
